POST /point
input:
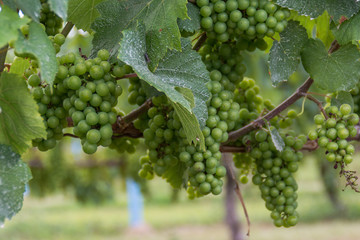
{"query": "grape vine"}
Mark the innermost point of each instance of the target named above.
(188, 84)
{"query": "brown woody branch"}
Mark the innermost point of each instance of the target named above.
(137, 112)
(318, 103)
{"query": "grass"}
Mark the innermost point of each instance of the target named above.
(62, 218)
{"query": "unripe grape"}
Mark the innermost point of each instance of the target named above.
(343, 133)
(74, 82)
(89, 148)
(345, 109)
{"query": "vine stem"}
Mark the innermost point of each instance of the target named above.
(3, 52)
(67, 28)
(318, 103)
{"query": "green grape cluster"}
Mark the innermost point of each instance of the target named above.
(226, 58)
(248, 19)
(51, 21)
(92, 93)
(84, 93)
(334, 130)
(163, 136)
(274, 174)
(169, 147)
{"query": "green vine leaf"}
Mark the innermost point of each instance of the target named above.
(20, 121)
(30, 8)
(305, 21)
(323, 30)
(10, 24)
(175, 175)
(189, 121)
(320, 25)
(14, 174)
(82, 13)
(19, 66)
(39, 45)
(348, 30)
(285, 54)
(59, 7)
(162, 32)
(276, 138)
(177, 70)
(314, 8)
(338, 71)
(193, 23)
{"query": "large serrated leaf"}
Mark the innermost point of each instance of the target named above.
(338, 71)
(59, 7)
(20, 121)
(285, 54)
(314, 8)
(177, 70)
(348, 30)
(10, 23)
(159, 17)
(14, 174)
(30, 8)
(82, 13)
(192, 24)
(39, 45)
(19, 66)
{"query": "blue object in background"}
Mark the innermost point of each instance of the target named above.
(76, 149)
(27, 190)
(135, 203)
